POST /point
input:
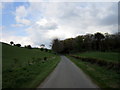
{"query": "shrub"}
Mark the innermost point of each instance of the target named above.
(45, 58)
(46, 50)
(41, 49)
(18, 45)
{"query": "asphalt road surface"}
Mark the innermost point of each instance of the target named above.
(67, 75)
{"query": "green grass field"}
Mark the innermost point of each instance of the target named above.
(103, 77)
(26, 68)
(108, 56)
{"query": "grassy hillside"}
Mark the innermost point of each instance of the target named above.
(24, 67)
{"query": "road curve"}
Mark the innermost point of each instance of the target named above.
(67, 75)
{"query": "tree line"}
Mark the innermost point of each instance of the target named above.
(89, 42)
(19, 45)
(42, 46)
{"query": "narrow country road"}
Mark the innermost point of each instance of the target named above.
(67, 75)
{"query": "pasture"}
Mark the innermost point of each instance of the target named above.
(25, 68)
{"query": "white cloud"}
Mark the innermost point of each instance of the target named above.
(22, 20)
(9, 36)
(21, 11)
(64, 20)
(21, 14)
(46, 24)
(71, 19)
(22, 40)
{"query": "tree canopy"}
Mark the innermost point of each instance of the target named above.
(96, 41)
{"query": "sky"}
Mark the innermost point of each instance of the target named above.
(36, 23)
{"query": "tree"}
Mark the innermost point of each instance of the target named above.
(69, 45)
(117, 41)
(97, 41)
(46, 50)
(107, 42)
(98, 37)
(88, 40)
(79, 43)
(50, 45)
(19, 45)
(57, 46)
(28, 46)
(42, 45)
(12, 43)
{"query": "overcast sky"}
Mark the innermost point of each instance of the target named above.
(38, 23)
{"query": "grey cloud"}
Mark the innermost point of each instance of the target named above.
(109, 20)
(112, 15)
(91, 15)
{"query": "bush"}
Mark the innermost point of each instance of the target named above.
(45, 58)
(18, 45)
(41, 49)
(46, 50)
(28, 46)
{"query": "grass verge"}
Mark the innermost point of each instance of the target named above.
(44, 73)
(29, 76)
(103, 77)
